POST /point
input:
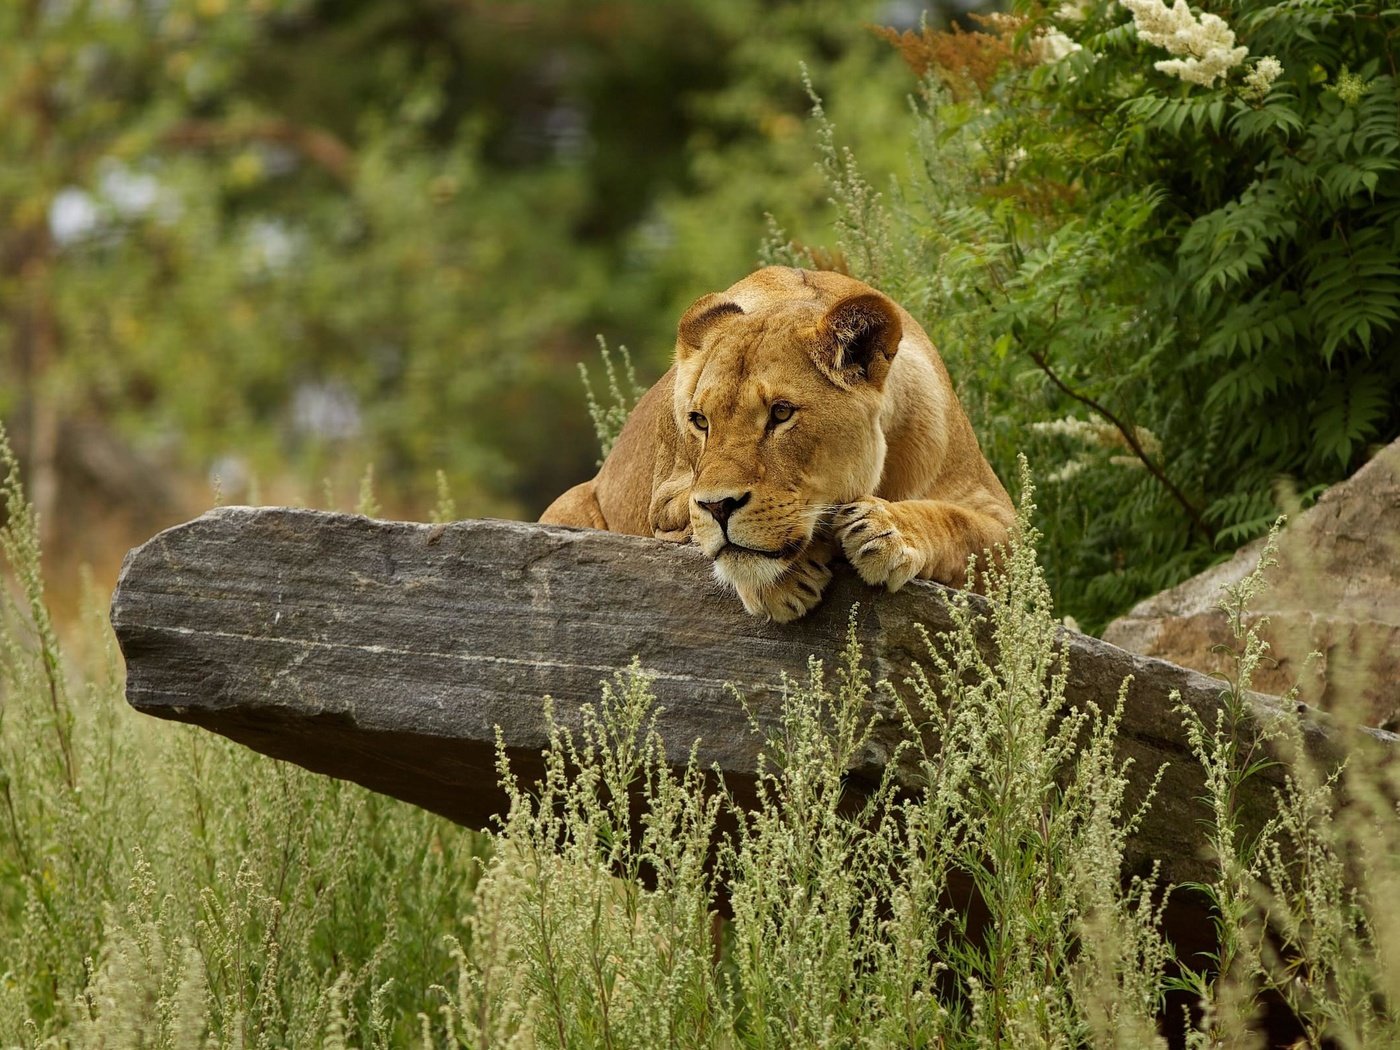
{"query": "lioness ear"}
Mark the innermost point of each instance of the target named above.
(857, 339)
(703, 314)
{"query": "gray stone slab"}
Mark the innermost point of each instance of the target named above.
(391, 653)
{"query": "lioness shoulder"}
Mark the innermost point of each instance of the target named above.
(806, 414)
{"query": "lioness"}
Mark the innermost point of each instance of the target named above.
(806, 413)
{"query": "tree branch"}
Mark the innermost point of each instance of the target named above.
(1130, 436)
(319, 147)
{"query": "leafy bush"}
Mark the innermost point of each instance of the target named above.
(277, 239)
(1183, 266)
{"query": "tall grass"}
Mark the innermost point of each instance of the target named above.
(848, 925)
(623, 394)
(161, 887)
(1305, 907)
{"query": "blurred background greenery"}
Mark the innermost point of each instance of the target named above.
(254, 250)
(260, 245)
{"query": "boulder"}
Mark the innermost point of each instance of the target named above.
(1335, 591)
(395, 655)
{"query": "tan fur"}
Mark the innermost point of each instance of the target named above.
(878, 460)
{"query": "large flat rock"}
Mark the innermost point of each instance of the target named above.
(391, 653)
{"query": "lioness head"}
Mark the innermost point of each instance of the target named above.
(778, 412)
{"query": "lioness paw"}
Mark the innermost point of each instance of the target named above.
(793, 595)
(874, 544)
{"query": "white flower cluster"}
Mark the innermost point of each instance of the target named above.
(1206, 45)
(1069, 470)
(1072, 10)
(1069, 427)
(1259, 80)
(1052, 46)
(1097, 434)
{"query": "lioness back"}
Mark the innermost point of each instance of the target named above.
(806, 415)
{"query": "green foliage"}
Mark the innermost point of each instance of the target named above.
(162, 887)
(278, 239)
(1217, 267)
(1168, 294)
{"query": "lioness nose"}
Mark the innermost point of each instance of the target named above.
(721, 509)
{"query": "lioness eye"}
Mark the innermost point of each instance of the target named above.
(698, 420)
(781, 412)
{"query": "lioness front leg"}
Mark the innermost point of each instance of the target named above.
(669, 512)
(797, 591)
(890, 543)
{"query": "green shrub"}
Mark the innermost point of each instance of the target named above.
(1168, 281)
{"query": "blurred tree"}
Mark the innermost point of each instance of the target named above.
(280, 239)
